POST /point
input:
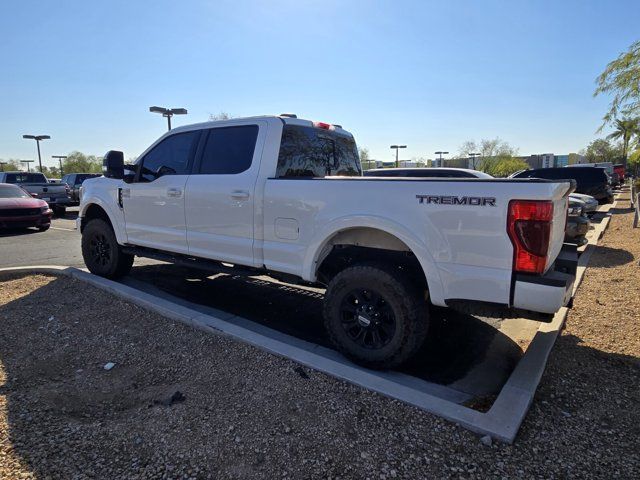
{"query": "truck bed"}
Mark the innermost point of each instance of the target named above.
(455, 227)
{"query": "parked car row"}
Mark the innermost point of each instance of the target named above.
(592, 181)
(59, 195)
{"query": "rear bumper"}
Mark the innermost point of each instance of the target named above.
(549, 292)
(61, 201)
(576, 227)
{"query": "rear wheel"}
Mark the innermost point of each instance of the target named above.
(101, 252)
(375, 316)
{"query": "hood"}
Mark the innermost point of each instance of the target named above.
(22, 203)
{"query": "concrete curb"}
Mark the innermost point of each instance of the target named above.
(501, 422)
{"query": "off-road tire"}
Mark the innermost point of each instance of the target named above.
(101, 252)
(400, 295)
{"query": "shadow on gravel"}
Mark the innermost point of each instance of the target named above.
(456, 344)
(621, 210)
(607, 257)
(245, 414)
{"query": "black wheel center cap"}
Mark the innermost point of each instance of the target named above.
(364, 315)
(364, 320)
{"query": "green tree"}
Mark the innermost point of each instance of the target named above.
(78, 162)
(491, 150)
(219, 116)
(10, 165)
(51, 172)
(633, 164)
(573, 158)
(365, 159)
(505, 166)
(602, 150)
(621, 79)
(625, 130)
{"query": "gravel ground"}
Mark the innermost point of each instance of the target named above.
(183, 404)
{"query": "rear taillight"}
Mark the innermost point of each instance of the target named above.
(529, 227)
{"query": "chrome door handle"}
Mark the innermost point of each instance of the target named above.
(239, 194)
(174, 192)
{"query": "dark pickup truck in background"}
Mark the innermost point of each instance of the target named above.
(74, 181)
(37, 185)
(590, 180)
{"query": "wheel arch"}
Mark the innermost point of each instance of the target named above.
(97, 209)
(376, 238)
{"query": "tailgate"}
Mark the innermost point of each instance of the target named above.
(51, 188)
(560, 203)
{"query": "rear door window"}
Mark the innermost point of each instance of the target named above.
(229, 150)
(315, 152)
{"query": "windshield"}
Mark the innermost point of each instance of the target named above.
(315, 152)
(11, 191)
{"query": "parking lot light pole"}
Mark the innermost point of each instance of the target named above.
(473, 157)
(60, 158)
(397, 147)
(37, 138)
(168, 113)
(27, 162)
(440, 159)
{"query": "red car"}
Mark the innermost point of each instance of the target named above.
(18, 209)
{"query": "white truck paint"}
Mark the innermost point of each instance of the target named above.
(455, 230)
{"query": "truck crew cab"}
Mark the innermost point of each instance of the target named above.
(286, 197)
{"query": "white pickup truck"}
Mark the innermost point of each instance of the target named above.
(286, 197)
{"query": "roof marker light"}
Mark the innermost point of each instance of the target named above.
(324, 126)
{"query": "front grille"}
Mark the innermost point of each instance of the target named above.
(19, 212)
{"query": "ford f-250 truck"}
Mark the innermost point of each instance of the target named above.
(286, 197)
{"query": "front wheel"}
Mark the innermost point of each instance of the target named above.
(101, 252)
(375, 316)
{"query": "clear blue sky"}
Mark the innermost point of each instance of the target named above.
(428, 74)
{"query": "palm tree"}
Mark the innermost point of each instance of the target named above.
(626, 128)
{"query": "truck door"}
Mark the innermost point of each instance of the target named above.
(153, 203)
(221, 193)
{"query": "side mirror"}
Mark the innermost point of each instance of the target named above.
(113, 164)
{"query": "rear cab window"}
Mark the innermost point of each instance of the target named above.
(312, 152)
(25, 178)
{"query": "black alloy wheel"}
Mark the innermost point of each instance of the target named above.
(367, 318)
